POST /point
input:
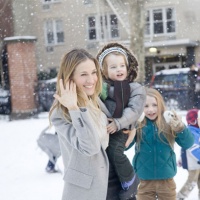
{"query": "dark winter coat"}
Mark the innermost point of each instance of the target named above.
(155, 159)
(134, 108)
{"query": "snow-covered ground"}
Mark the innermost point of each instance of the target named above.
(22, 168)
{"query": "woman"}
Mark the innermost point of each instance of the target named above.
(81, 128)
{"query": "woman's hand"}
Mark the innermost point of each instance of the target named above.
(68, 96)
(131, 135)
(112, 127)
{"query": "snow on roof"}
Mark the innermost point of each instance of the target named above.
(51, 80)
(20, 38)
(173, 71)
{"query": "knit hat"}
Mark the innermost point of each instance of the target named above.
(192, 116)
(131, 59)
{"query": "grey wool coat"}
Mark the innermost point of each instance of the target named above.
(83, 152)
(134, 109)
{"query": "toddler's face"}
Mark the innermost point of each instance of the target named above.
(151, 108)
(117, 69)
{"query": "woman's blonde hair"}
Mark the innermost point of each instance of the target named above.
(68, 65)
(162, 126)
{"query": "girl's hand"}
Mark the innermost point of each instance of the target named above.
(131, 135)
(68, 96)
(112, 127)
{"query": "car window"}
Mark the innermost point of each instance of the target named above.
(165, 80)
(171, 80)
(51, 86)
(43, 86)
(184, 80)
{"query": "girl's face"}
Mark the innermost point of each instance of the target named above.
(151, 108)
(117, 70)
(85, 76)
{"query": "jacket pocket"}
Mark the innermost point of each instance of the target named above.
(78, 178)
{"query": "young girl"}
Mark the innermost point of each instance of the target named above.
(125, 100)
(155, 161)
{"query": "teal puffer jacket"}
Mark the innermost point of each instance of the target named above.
(155, 159)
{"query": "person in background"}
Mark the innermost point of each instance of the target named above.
(190, 158)
(81, 127)
(155, 161)
(125, 99)
(50, 168)
(49, 143)
(192, 96)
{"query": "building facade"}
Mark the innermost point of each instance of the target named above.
(171, 29)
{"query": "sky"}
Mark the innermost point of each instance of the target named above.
(22, 168)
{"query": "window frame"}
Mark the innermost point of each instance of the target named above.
(55, 31)
(50, 1)
(103, 27)
(164, 21)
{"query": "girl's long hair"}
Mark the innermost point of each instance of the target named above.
(163, 127)
(67, 67)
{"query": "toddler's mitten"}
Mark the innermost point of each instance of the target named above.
(168, 115)
(176, 123)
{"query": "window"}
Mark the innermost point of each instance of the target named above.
(147, 26)
(170, 20)
(157, 21)
(102, 27)
(114, 26)
(92, 28)
(50, 1)
(160, 21)
(54, 32)
(87, 2)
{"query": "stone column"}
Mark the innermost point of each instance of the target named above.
(22, 75)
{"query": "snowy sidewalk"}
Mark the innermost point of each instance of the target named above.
(22, 169)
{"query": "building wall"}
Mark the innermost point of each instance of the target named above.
(188, 18)
(6, 19)
(6, 30)
(24, 13)
(74, 15)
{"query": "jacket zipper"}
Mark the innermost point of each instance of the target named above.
(154, 128)
(122, 95)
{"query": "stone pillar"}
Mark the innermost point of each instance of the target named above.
(22, 75)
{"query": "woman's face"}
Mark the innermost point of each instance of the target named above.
(85, 76)
(151, 108)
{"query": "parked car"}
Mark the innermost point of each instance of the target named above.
(174, 87)
(5, 102)
(46, 89)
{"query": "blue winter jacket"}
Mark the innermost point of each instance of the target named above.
(191, 157)
(154, 158)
